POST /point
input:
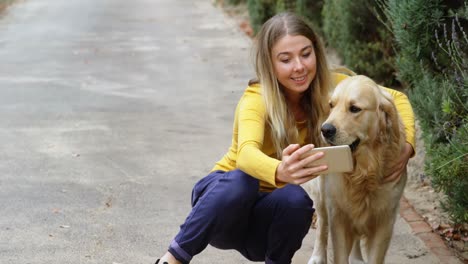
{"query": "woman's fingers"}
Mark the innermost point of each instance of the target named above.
(306, 174)
(400, 167)
(299, 153)
(396, 173)
(290, 149)
(302, 180)
(296, 158)
(292, 154)
(392, 177)
(309, 159)
(293, 167)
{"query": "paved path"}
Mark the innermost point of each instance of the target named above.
(110, 111)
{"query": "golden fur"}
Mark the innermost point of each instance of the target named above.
(358, 204)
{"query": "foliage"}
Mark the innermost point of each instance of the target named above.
(312, 12)
(354, 30)
(412, 22)
(236, 2)
(261, 10)
(449, 167)
(432, 59)
(3, 3)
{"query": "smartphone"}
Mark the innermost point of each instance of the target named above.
(337, 158)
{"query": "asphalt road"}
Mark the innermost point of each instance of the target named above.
(110, 111)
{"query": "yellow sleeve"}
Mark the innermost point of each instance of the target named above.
(405, 110)
(251, 124)
(403, 106)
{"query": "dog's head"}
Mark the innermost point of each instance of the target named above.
(361, 114)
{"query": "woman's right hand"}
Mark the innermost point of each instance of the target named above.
(292, 168)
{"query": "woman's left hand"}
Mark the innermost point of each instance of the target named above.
(400, 167)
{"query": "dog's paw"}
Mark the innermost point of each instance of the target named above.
(317, 260)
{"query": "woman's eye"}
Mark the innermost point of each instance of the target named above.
(306, 55)
(354, 109)
(285, 60)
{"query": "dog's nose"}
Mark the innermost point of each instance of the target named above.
(328, 130)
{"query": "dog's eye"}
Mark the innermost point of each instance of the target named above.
(354, 109)
(331, 105)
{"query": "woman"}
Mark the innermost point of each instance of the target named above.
(252, 201)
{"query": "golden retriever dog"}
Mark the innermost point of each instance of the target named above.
(358, 205)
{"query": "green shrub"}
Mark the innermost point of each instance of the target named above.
(448, 166)
(413, 23)
(312, 12)
(261, 10)
(354, 30)
(433, 60)
(236, 2)
(3, 3)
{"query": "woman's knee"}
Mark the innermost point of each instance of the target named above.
(296, 197)
(295, 201)
(238, 188)
(232, 189)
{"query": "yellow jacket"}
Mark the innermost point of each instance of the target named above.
(252, 150)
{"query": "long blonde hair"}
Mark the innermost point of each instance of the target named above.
(280, 119)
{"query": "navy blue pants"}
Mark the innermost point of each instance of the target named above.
(229, 212)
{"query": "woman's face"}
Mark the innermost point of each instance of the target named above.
(294, 63)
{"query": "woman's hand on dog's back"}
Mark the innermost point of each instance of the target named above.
(292, 168)
(400, 167)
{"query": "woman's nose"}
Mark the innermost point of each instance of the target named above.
(298, 66)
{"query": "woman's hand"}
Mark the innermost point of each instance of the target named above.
(292, 167)
(400, 167)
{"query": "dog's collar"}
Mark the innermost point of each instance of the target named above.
(354, 145)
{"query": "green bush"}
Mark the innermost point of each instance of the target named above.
(261, 10)
(354, 30)
(449, 169)
(3, 3)
(413, 23)
(236, 2)
(432, 58)
(312, 12)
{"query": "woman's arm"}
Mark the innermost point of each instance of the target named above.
(251, 122)
(406, 113)
(252, 145)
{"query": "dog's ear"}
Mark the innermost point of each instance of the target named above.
(389, 122)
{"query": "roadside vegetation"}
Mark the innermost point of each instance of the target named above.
(4, 4)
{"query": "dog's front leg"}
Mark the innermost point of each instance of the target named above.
(319, 255)
(342, 237)
(356, 254)
(379, 242)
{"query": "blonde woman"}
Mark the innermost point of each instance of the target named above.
(251, 201)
